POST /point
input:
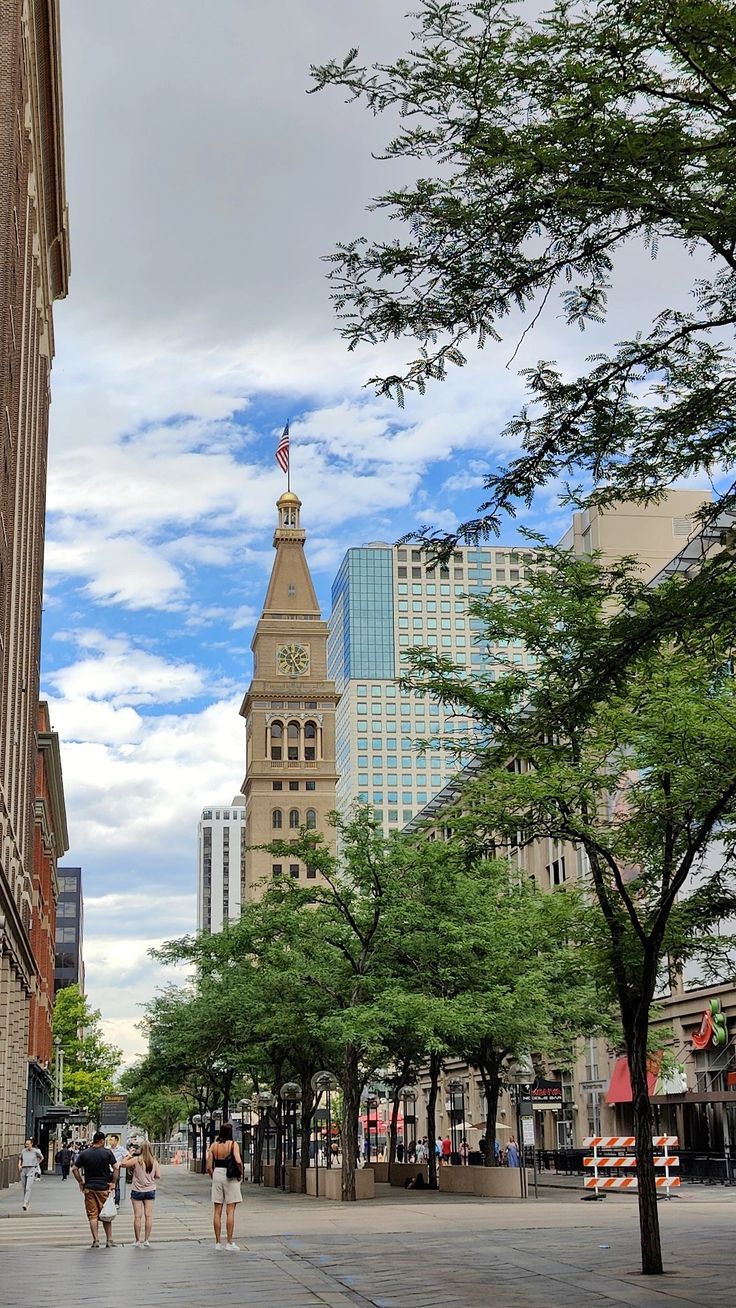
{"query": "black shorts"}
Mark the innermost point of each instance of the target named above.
(140, 1195)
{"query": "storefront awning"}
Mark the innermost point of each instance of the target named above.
(619, 1088)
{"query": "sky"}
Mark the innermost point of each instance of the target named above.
(205, 188)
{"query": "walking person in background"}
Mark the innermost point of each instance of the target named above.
(512, 1153)
(225, 1188)
(115, 1147)
(64, 1159)
(446, 1150)
(96, 1171)
(464, 1151)
(146, 1172)
(29, 1165)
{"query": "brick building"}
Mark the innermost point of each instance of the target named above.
(34, 268)
(50, 843)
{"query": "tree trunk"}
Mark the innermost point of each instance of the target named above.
(651, 1245)
(491, 1089)
(350, 1114)
(435, 1067)
(226, 1088)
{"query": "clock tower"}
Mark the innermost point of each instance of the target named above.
(289, 710)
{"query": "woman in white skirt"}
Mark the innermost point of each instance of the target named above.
(225, 1189)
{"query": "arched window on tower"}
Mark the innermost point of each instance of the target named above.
(310, 741)
(293, 741)
(311, 819)
(294, 819)
(276, 735)
(277, 819)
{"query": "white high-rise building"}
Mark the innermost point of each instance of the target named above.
(221, 852)
(386, 599)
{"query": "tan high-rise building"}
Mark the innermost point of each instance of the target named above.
(289, 708)
(34, 270)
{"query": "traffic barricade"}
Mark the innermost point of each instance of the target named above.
(613, 1163)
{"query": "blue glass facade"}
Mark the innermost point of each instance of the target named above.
(362, 624)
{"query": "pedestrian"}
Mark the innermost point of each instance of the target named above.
(422, 1150)
(146, 1172)
(464, 1151)
(400, 1151)
(446, 1150)
(96, 1171)
(29, 1167)
(120, 1152)
(64, 1159)
(225, 1187)
(512, 1153)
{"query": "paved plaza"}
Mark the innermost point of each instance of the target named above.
(401, 1250)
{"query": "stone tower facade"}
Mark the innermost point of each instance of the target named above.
(289, 708)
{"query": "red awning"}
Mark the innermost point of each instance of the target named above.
(619, 1088)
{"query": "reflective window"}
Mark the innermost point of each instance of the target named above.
(294, 819)
(277, 819)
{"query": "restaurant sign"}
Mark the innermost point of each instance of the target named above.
(547, 1094)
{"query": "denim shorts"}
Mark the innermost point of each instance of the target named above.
(142, 1194)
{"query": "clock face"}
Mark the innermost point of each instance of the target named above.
(293, 660)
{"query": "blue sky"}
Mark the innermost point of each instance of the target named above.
(205, 188)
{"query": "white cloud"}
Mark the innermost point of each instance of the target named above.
(122, 673)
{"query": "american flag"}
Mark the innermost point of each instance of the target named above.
(282, 450)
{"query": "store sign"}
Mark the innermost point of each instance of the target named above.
(114, 1110)
(547, 1094)
(713, 1029)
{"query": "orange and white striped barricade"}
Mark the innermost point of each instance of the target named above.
(613, 1155)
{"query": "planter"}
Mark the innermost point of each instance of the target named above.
(269, 1174)
(294, 1180)
(485, 1182)
(380, 1172)
(401, 1172)
(330, 1183)
(457, 1180)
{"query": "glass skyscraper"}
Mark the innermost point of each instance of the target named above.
(384, 600)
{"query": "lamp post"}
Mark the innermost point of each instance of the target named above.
(455, 1087)
(409, 1096)
(264, 1103)
(196, 1122)
(206, 1119)
(521, 1076)
(242, 1104)
(290, 1095)
(323, 1083)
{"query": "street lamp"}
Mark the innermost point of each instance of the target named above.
(456, 1087)
(323, 1083)
(206, 1119)
(290, 1094)
(241, 1105)
(265, 1102)
(408, 1096)
(196, 1122)
(520, 1074)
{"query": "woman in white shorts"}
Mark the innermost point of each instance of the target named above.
(225, 1189)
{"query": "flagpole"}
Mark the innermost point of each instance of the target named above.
(288, 465)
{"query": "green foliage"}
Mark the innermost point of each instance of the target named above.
(152, 1105)
(617, 740)
(543, 147)
(90, 1063)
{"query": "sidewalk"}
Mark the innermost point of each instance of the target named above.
(399, 1251)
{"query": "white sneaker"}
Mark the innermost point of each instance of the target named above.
(233, 1248)
(137, 1244)
(146, 1244)
(218, 1247)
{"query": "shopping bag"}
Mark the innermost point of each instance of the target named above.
(108, 1210)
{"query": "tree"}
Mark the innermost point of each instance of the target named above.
(637, 770)
(90, 1063)
(157, 1107)
(548, 145)
(505, 969)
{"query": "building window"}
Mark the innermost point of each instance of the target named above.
(293, 785)
(294, 869)
(310, 785)
(310, 738)
(556, 871)
(311, 873)
(276, 869)
(277, 785)
(294, 819)
(311, 819)
(276, 734)
(277, 819)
